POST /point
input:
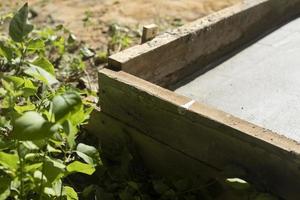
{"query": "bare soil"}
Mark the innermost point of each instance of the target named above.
(89, 19)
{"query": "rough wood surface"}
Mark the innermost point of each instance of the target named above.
(205, 134)
(259, 84)
(149, 32)
(196, 46)
(158, 157)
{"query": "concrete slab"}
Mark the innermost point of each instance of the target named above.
(261, 84)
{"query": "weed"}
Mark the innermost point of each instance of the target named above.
(40, 115)
(119, 38)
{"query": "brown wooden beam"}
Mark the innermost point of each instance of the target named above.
(208, 135)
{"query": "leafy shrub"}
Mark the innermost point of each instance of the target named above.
(40, 114)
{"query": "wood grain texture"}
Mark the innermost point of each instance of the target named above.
(174, 55)
(216, 139)
(158, 157)
(205, 134)
(149, 32)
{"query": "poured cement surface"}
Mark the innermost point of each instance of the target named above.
(261, 84)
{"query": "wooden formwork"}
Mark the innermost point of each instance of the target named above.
(176, 135)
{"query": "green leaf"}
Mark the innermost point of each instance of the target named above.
(30, 145)
(33, 167)
(50, 192)
(57, 188)
(4, 188)
(35, 45)
(82, 115)
(86, 52)
(5, 194)
(54, 170)
(7, 86)
(51, 149)
(88, 153)
(60, 44)
(29, 89)
(17, 81)
(25, 108)
(70, 193)
(80, 167)
(19, 27)
(237, 183)
(65, 104)
(32, 126)
(45, 64)
(39, 176)
(6, 143)
(33, 156)
(9, 161)
(41, 75)
(71, 131)
(72, 38)
(5, 51)
(2, 92)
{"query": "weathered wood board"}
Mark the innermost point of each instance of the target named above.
(212, 137)
(157, 119)
(259, 84)
(159, 157)
(173, 55)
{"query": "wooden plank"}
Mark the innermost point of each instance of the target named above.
(158, 157)
(204, 133)
(197, 46)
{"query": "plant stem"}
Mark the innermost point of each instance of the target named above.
(21, 170)
(61, 190)
(43, 169)
(23, 52)
(64, 161)
(43, 172)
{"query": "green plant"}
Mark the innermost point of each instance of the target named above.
(40, 116)
(119, 38)
(88, 15)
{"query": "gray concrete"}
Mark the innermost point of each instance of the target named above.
(261, 84)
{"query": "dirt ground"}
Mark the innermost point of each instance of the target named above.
(89, 19)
